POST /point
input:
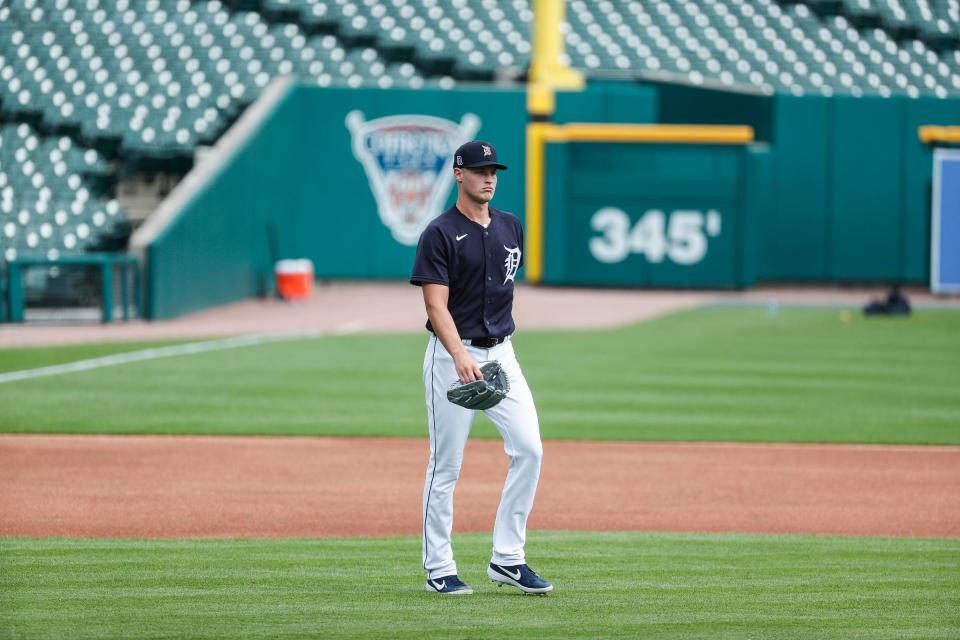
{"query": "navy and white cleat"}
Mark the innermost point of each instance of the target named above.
(520, 576)
(449, 586)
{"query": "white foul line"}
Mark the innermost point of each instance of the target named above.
(144, 354)
(346, 328)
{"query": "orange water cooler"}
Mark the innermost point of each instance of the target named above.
(294, 279)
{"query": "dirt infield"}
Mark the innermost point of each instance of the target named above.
(156, 486)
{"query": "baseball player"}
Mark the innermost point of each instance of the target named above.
(466, 262)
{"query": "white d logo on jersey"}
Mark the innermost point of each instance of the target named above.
(407, 159)
(512, 262)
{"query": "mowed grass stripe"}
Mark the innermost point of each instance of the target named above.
(710, 374)
(607, 585)
(22, 358)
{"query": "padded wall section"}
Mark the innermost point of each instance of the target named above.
(865, 235)
(794, 231)
(851, 199)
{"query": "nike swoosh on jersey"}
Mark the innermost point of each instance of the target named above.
(459, 238)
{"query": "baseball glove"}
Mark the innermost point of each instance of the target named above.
(481, 394)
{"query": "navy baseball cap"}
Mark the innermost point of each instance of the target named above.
(475, 154)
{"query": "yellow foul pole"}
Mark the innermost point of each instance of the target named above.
(535, 195)
(548, 72)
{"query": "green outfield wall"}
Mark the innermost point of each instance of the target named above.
(297, 188)
(838, 191)
(851, 195)
(851, 181)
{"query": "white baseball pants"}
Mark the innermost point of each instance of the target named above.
(515, 417)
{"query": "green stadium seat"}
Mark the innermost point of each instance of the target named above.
(46, 197)
(157, 78)
(90, 68)
(761, 44)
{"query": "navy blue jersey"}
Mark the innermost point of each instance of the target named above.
(477, 264)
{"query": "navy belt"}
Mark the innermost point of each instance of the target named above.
(483, 343)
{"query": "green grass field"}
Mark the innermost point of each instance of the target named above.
(627, 585)
(712, 374)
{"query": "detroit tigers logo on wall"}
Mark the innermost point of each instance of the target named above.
(407, 159)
